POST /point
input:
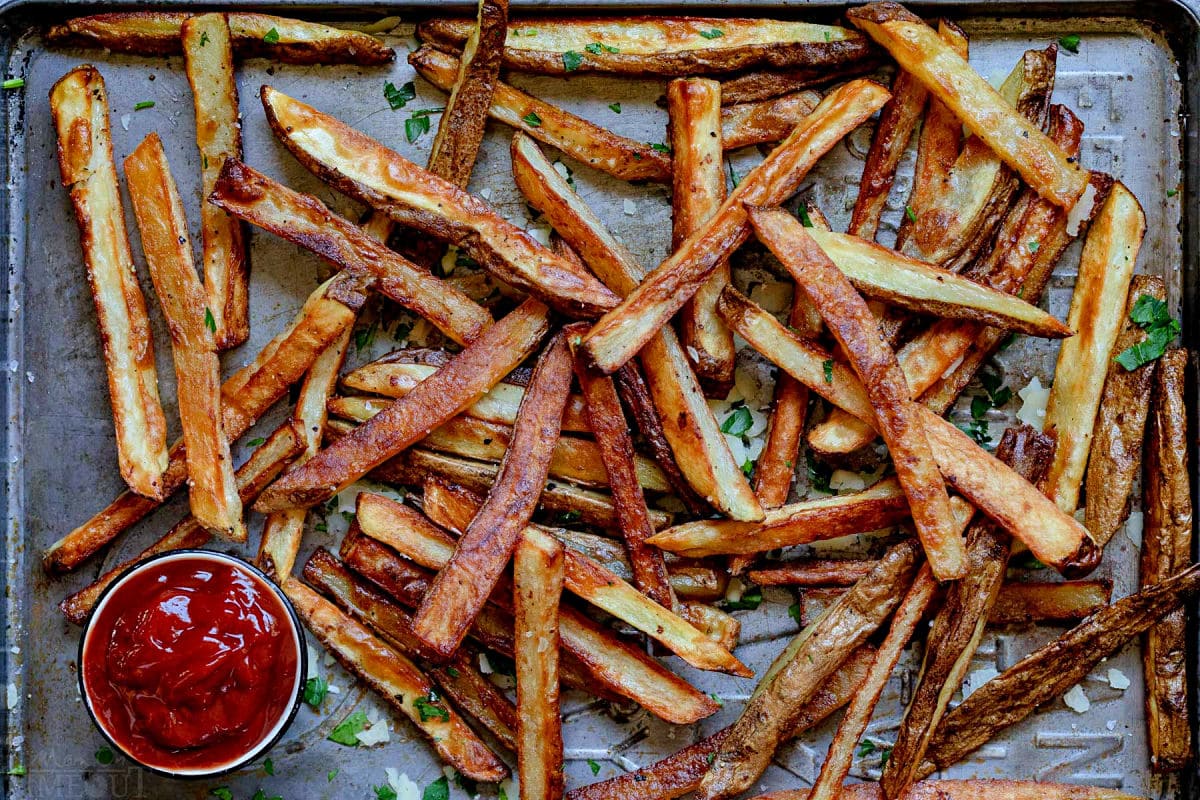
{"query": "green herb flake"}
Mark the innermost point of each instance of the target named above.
(716, 699)
(734, 178)
(908, 212)
(828, 36)
(438, 790)
(750, 600)
(713, 33)
(865, 748)
(1170, 192)
(398, 98)
(269, 767)
(143, 104)
(615, 107)
(209, 321)
(428, 709)
(571, 60)
(747, 468)
(596, 48)
(452, 672)
(1026, 560)
(1033, 246)
(13, 83)
(660, 147)
(255, 442)
(415, 127)
(827, 365)
(738, 422)
(593, 766)
(203, 38)
(222, 793)
(533, 120)
(1151, 315)
(261, 795)
(315, 689)
(567, 517)
(104, 755)
(18, 771)
(364, 337)
(501, 794)
(794, 613)
(805, 219)
(1070, 42)
(384, 792)
(271, 37)
(345, 731)
(819, 475)
(333, 773)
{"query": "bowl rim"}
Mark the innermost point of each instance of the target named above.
(285, 720)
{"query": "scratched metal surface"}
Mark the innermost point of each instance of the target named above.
(1124, 84)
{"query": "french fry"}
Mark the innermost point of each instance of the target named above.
(397, 680)
(1097, 307)
(537, 587)
(622, 332)
(263, 465)
(808, 521)
(766, 121)
(1167, 549)
(612, 664)
(366, 170)
(585, 141)
(463, 585)
(908, 615)
(796, 674)
(79, 106)
(283, 530)
(680, 773)
(607, 421)
(208, 60)
(959, 624)
(967, 790)
(919, 50)
(722, 628)
(812, 572)
(855, 329)
(153, 33)
(1030, 602)
(764, 84)
(1053, 669)
(406, 421)
(305, 220)
(212, 491)
(1116, 452)
(698, 189)
(699, 447)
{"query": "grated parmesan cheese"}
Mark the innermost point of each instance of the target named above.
(1076, 700)
(1033, 406)
(402, 785)
(1118, 680)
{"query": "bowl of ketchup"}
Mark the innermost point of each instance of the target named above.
(192, 663)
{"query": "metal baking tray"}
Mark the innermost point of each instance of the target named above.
(1134, 83)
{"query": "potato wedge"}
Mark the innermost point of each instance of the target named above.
(1116, 452)
(625, 330)
(968, 790)
(366, 170)
(406, 421)
(660, 45)
(79, 106)
(919, 50)
(397, 680)
(698, 189)
(462, 586)
(153, 33)
(699, 447)
(1167, 549)
(212, 491)
(306, 221)
(1097, 309)
(537, 587)
(208, 60)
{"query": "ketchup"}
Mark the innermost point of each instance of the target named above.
(191, 663)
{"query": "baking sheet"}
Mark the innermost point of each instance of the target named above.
(1124, 84)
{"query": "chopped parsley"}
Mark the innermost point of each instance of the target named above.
(865, 748)
(363, 337)
(738, 422)
(104, 755)
(315, 690)
(567, 517)
(615, 107)
(452, 672)
(269, 767)
(908, 212)
(827, 365)
(750, 600)
(427, 709)
(593, 766)
(438, 790)
(255, 442)
(13, 83)
(1026, 560)
(143, 104)
(794, 613)
(716, 699)
(819, 475)
(271, 37)
(209, 321)
(1151, 315)
(747, 468)
(734, 178)
(384, 792)
(571, 60)
(398, 98)
(1170, 192)
(596, 48)
(712, 33)
(346, 730)
(18, 771)
(660, 147)
(333, 773)
(203, 38)
(532, 119)
(1070, 42)
(222, 793)
(261, 795)
(805, 219)
(1033, 246)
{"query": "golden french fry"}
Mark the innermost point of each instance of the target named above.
(812, 572)
(745, 124)
(968, 790)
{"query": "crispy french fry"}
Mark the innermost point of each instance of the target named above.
(463, 585)
(1116, 452)
(406, 421)
(612, 664)
(212, 491)
(967, 790)
(305, 220)
(698, 189)
(812, 572)
(1053, 669)
(1097, 309)
(764, 84)
(397, 680)
(688, 425)
(208, 59)
(808, 660)
(263, 465)
(79, 106)
(855, 329)
(661, 45)
(680, 773)
(585, 141)
(626, 329)
(919, 50)
(158, 33)
(722, 628)
(1030, 602)
(1167, 549)
(368, 171)
(772, 120)
(537, 587)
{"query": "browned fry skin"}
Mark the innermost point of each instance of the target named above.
(747, 124)
(152, 33)
(812, 572)
(208, 58)
(1167, 550)
(852, 324)
(959, 624)
(1116, 453)
(694, 106)
(79, 106)
(1053, 669)
(967, 790)
(413, 417)
(159, 211)
(397, 680)
(607, 420)
(537, 588)
(1030, 602)
(670, 46)
(623, 331)
(764, 84)
(801, 668)
(680, 773)
(463, 585)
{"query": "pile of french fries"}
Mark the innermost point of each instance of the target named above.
(524, 415)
